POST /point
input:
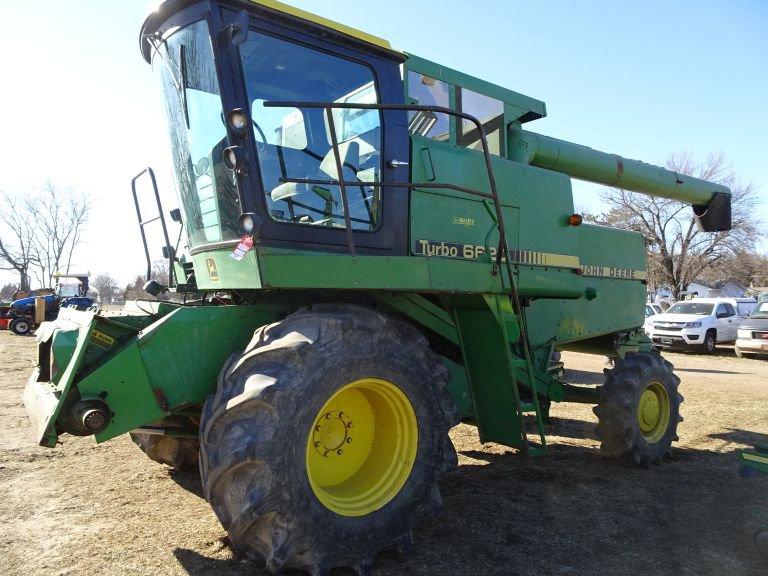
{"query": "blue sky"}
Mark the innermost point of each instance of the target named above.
(78, 104)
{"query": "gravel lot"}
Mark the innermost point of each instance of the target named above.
(106, 509)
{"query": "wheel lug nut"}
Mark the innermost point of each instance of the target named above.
(349, 425)
(349, 440)
(339, 451)
(317, 444)
(341, 414)
(318, 428)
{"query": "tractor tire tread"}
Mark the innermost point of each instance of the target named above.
(249, 464)
(618, 429)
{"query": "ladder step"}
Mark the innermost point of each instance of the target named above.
(527, 407)
(519, 363)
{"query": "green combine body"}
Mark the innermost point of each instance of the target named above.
(409, 257)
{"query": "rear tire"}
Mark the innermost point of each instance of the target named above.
(710, 342)
(639, 409)
(290, 507)
(20, 326)
(178, 453)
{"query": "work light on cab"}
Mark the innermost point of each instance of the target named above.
(238, 120)
(235, 159)
(247, 223)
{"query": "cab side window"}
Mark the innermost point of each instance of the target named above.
(729, 309)
(427, 91)
(490, 112)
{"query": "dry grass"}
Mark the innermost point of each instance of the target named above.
(88, 509)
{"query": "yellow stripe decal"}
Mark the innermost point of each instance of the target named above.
(304, 15)
(754, 458)
(473, 251)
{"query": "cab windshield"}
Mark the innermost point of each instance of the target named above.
(68, 290)
(198, 136)
(296, 143)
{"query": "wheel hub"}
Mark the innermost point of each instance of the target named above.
(332, 434)
(362, 447)
(653, 412)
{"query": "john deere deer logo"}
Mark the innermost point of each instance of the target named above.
(213, 272)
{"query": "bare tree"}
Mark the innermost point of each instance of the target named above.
(160, 271)
(106, 287)
(41, 232)
(17, 246)
(61, 215)
(678, 252)
(135, 290)
(745, 267)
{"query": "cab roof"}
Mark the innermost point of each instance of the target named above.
(169, 7)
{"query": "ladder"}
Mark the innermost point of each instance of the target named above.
(524, 364)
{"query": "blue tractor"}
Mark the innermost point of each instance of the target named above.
(28, 313)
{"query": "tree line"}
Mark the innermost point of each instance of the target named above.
(41, 232)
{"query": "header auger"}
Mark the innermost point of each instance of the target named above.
(375, 250)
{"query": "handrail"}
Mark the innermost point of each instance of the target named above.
(168, 251)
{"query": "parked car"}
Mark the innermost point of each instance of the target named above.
(697, 324)
(753, 332)
(651, 310)
(745, 306)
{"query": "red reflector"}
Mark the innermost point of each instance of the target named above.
(575, 219)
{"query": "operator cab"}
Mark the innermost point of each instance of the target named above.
(241, 91)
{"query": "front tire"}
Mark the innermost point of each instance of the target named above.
(20, 326)
(326, 438)
(639, 409)
(710, 342)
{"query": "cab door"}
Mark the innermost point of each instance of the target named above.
(726, 322)
(299, 145)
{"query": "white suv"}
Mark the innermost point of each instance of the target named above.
(698, 323)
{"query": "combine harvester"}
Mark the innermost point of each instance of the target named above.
(377, 249)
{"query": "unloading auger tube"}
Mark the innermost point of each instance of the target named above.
(711, 202)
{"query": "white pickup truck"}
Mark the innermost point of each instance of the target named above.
(695, 324)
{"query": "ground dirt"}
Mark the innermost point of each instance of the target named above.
(106, 509)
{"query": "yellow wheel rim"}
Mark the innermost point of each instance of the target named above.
(361, 448)
(653, 412)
